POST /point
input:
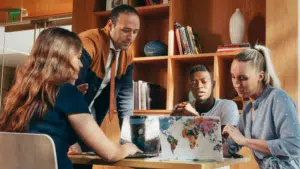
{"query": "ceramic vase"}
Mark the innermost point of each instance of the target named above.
(237, 27)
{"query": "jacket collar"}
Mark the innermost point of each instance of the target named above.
(123, 60)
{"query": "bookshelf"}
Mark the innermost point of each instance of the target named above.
(210, 19)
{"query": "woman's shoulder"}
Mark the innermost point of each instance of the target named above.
(70, 99)
(277, 92)
(280, 95)
(67, 86)
(68, 90)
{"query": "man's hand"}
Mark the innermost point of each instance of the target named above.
(184, 109)
(83, 88)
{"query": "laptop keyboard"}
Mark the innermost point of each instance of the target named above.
(143, 155)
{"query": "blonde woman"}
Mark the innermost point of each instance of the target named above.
(269, 125)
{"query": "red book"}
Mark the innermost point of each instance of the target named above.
(234, 45)
(178, 41)
(233, 50)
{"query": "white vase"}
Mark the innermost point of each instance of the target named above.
(237, 27)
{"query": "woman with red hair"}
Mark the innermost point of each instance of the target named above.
(44, 99)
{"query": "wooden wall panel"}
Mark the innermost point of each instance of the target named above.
(83, 18)
(282, 39)
(211, 20)
(47, 7)
(40, 7)
(10, 3)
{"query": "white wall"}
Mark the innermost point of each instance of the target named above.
(17, 45)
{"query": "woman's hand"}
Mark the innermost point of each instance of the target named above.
(234, 134)
(74, 149)
(131, 148)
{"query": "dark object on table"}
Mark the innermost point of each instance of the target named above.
(236, 156)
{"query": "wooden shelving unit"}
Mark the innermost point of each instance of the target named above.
(152, 112)
(210, 19)
(144, 11)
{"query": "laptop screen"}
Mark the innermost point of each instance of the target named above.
(191, 138)
(143, 131)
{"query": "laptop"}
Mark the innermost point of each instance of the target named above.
(191, 138)
(143, 131)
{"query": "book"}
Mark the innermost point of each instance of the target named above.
(192, 39)
(235, 50)
(184, 41)
(197, 41)
(233, 47)
(187, 40)
(148, 96)
(179, 40)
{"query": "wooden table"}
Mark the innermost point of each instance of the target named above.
(154, 163)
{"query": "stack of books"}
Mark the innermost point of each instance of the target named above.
(148, 96)
(238, 47)
(188, 41)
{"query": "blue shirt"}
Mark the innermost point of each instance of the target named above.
(55, 122)
(276, 121)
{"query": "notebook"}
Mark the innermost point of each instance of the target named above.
(143, 131)
(191, 138)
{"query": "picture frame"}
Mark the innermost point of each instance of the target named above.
(111, 4)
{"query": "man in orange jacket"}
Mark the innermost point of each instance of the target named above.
(102, 47)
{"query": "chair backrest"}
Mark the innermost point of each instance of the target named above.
(27, 151)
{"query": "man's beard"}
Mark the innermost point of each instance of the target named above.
(202, 100)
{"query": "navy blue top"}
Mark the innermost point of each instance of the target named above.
(56, 124)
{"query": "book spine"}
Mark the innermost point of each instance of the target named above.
(234, 45)
(148, 97)
(197, 41)
(144, 97)
(134, 95)
(235, 50)
(192, 39)
(178, 41)
(224, 49)
(148, 2)
(184, 40)
(140, 94)
(188, 41)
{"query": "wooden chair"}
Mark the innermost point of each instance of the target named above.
(27, 151)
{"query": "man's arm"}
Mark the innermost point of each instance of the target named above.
(86, 61)
(125, 95)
